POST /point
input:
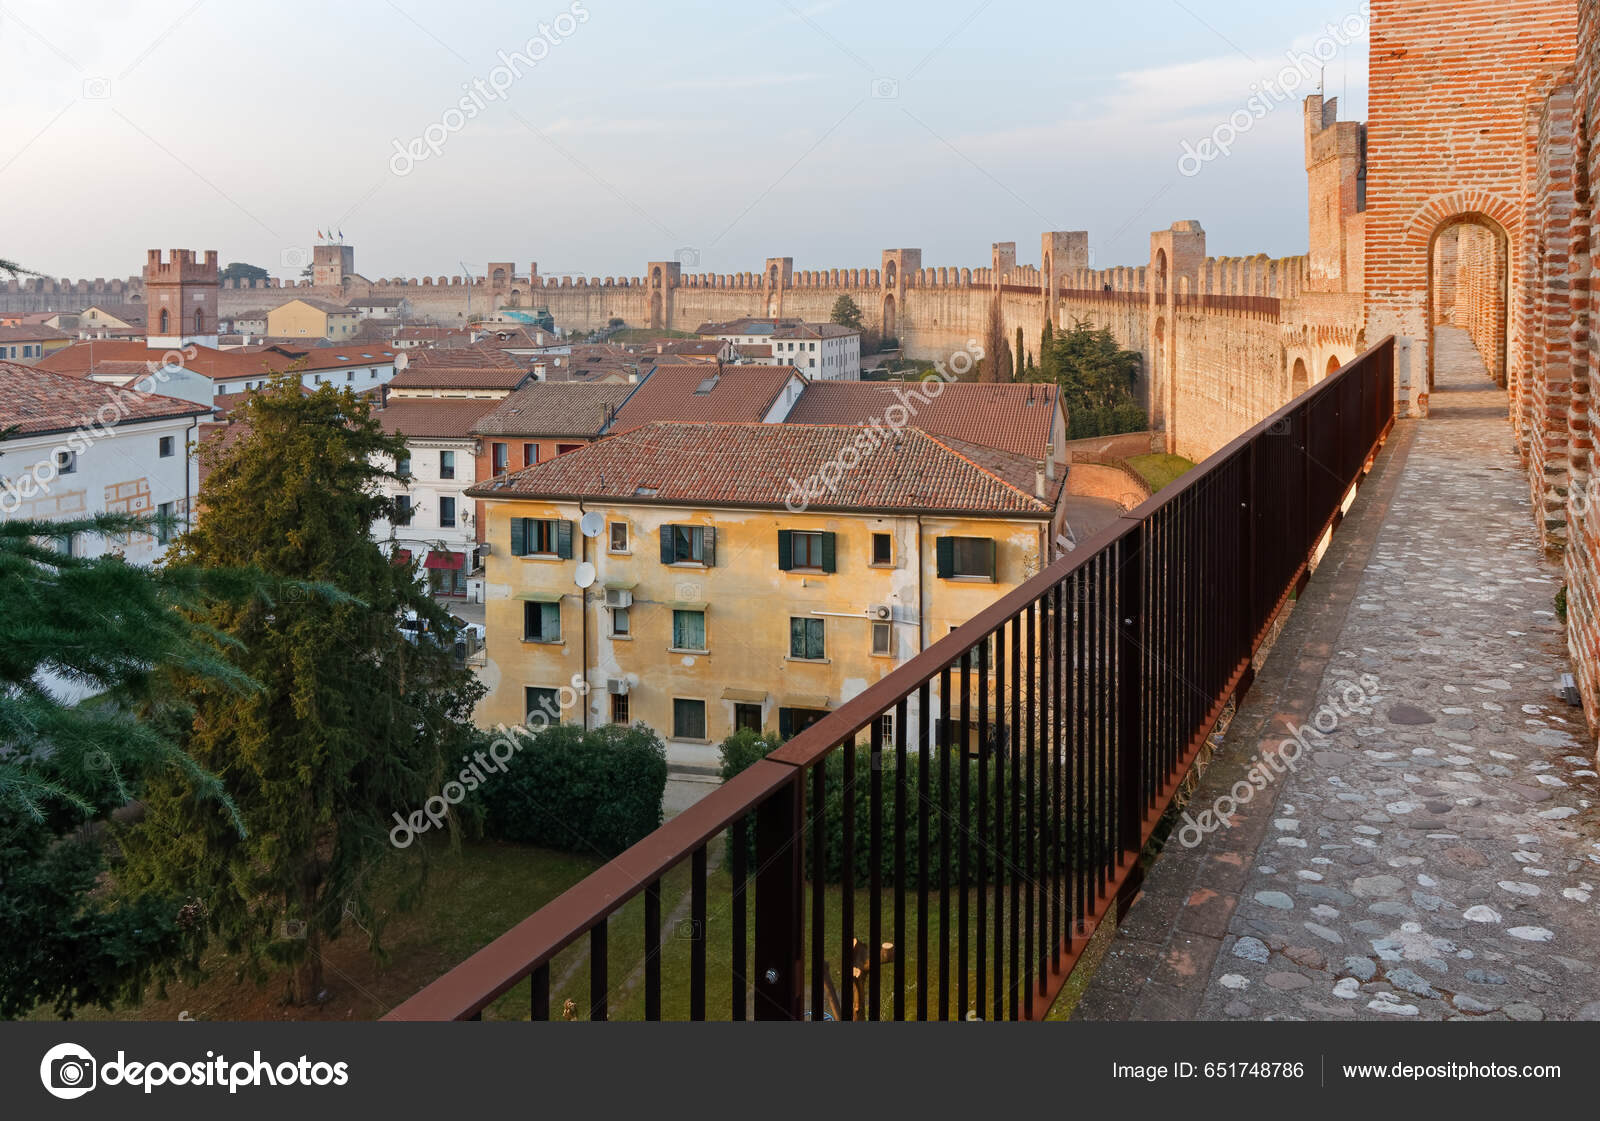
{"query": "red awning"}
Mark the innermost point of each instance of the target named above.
(440, 559)
(401, 556)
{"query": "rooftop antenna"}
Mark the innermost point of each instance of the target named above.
(1322, 79)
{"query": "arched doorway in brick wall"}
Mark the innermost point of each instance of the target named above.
(888, 317)
(1468, 264)
(1334, 362)
(1160, 263)
(656, 318)
(1299, 380)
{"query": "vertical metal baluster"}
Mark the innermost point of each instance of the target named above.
(1015, 757)
(982, 957)
(943, 747)
(900, 795)
(1029, 839)
(652, 951)
(819, 868)
(741, 983)
(598, 979)
(698, 934)
(875, 877)
(963, 985)
(539, 997)
(924, 801)
(1002, 750)
(847, 886)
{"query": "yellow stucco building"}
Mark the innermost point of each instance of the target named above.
(312, 319)
(743, 574)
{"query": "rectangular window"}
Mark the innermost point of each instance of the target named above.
(447, 465)
(164, 527)
(805, 638)
(619, 708)
(166, 446)
(66, 462)
(688, 544)
(746, 716)
(883, 731)
(619, 537)
(689, 630)
(447, 511)
(541, 622)
(541, 537)
(621, 622)
(402, 466)
(883, 638)
(972, 557)
(530, 454)
(499, 455)
(883, 549)
(809, 550)
(688, 719)
(402, 509)
(541, 706)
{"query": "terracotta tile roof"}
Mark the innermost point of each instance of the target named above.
(219, 365)
(460, 377)
(133, 314)
(700, 391)
(32, 334)
(327, 307)
(555, 409)
(747, 325)
(814, 331)
(768, 466)
(1016, 417)
(464, 356)
(437, 417)
(39, 401)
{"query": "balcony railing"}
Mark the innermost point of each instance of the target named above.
(953, 861)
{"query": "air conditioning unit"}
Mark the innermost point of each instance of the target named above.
(619, 597)
(881, 611)
(617, 686)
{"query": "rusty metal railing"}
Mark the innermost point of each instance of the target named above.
(944, 844)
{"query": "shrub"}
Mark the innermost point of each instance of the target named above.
(746, 748)
(592, 792)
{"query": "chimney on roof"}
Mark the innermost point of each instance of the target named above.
(1049, 461)
(1038, 479)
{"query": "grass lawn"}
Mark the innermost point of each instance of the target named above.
(480, 890)
(1159, 469)
(649, 335)
(474, 894)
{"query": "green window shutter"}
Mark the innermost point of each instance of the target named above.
(785, 549)
(827, 552)
(945, 555)
(564, 539)
(785, 723)
(994, 566)
(711, 546)
(519, 537)
(668, 549)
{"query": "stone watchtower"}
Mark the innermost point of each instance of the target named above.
(1336, 185)
(898, 264)
(660, 279)
(1060, 252)
(776, 278)
(181, 299)
(330, 264)
(1002, 259)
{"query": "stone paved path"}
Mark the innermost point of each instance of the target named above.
(1437, 855)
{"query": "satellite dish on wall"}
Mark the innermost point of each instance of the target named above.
(583, 575)
(401, 361)
(593, 524)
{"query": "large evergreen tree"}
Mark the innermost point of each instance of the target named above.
(846, 312)
(1098, 380)
(83, 721)
(352, 723)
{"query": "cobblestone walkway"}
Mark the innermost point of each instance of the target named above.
(1437, 854)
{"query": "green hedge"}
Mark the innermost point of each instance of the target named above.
(745, 748)
(594, 792)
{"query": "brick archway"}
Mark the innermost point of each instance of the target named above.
(1469, 252)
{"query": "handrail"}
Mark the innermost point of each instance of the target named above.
(1131, 651)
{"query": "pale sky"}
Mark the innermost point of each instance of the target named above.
(723, 132)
